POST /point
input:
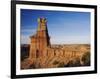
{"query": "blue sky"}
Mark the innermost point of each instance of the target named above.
(64, 27)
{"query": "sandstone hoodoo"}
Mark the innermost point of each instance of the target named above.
(43, 54)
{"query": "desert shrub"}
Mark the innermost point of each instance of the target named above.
(61, 64)
(56, 62)
(73, 63)
(86, 59)
(32, 66)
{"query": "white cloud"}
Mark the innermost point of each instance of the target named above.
(70, 40)
(29, 31)
(25, 35)
(25, 39)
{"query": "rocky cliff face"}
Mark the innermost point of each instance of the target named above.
(60, 56)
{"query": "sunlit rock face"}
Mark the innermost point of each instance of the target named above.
(44, 55)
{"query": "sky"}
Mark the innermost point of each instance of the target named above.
(64, 27)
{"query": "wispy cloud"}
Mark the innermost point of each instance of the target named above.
(28, 31)
(25, 39)
(63, 27)
(70, 40)
(25, 35)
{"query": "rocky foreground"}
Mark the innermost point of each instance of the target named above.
(73, 55)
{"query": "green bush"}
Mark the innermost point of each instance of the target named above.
(86, 59)
(73, 63)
